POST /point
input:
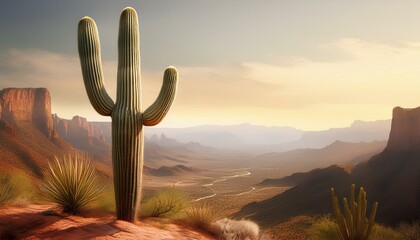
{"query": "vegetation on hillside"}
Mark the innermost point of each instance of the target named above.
(324, 228)
(168, 202)
(410, 231)
(201, 216)
(7, 192)
(72, 182)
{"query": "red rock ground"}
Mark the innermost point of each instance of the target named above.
(37, 222)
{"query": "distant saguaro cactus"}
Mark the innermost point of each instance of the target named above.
(126, 113)
(353, 224)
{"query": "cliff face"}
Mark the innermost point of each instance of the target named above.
(80, 133)
(405, 130)
(27, 104)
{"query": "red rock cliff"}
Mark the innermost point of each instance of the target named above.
(27, 104)
(405, 130)
(79, 132)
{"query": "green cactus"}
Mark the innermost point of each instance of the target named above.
(353, 224)
(126, 113)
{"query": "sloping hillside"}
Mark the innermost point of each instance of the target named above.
(28, 138)
(392, 178)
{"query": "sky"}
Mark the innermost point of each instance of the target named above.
(307, 64)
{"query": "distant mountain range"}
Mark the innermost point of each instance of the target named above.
(30, 136)
(275, 139)
(392, 178)
(262, 139)
(29, 110)
(302, 160)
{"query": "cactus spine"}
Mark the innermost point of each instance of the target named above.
(126, 113)
(353, 224)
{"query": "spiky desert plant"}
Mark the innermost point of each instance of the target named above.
(7, 192)
(200, 216)
(72, 182)
(126, 113)
(353, 224)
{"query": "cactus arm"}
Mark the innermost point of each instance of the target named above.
(90, 61)
(158, 110)
(372, 219)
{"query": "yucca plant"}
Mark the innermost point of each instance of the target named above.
(72, 182)
(353, 224)
(7, 192)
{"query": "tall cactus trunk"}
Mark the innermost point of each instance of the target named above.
(127, 133)
(126, 113)
(127, 158)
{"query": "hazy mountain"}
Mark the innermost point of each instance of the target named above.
(359, 131)
(165, 171)
(392, 178)
(279, 139)
(302, 160)
(261, 139)
(231, 137)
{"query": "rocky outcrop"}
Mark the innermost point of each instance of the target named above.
(80, 133)
(29, 105)
(405, 130)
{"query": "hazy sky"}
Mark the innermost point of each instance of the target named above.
(307, 64)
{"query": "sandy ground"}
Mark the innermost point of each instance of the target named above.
(39, 222)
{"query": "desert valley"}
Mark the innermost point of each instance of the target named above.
(241, 120)
(242, 175)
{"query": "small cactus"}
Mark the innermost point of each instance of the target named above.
(353, 224)
(126, 113)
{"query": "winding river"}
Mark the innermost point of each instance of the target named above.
(223, 179)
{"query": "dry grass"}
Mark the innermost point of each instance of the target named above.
(324, 228)
(200, 217)
(294, 229)
(72, 183)
(410, 231)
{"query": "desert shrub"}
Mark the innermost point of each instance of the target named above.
(72, 183)
(410, 231)
(227, 229)
(7, 191)
(200, 216)
(324, 228)
(353, 224)
(25, 188)
(380, 232)
(165, 203)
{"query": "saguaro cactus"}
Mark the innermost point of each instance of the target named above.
(353, 223)
(126, 113)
